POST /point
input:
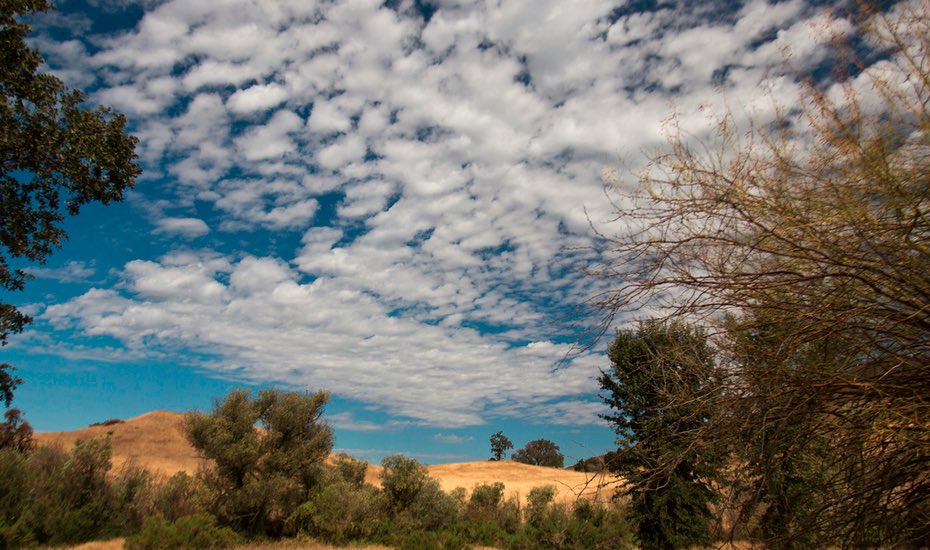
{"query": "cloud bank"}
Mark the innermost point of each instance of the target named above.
(436, 162)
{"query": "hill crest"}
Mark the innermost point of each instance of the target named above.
(156, 441)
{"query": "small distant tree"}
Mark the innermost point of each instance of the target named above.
(540, 452)
(660, 378)
(268, 454)
(499, 445)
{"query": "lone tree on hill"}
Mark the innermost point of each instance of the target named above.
(499, 445)
(55, 156)
(540, 452)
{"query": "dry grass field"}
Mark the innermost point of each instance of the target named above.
(156, 442)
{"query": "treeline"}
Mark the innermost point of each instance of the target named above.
(271, 475)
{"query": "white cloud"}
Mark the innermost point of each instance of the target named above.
(451, 439)
(186, 227)
(271, 140)
(257, 98)
(71, 272)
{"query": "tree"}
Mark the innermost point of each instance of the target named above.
(15, 433)
(499, 445)
(657, 385)
(802, 245)
(56, 155)
(8, 383)
(268, 454)
(540, 452)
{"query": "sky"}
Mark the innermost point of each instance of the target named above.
(391, 201)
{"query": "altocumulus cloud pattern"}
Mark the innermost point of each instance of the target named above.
(426, 174)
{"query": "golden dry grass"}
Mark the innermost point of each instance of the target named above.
(519, 479)
(153, 440)
(156, 442)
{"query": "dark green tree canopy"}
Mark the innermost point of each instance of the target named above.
(500, 444)
(540, 452)
(57, 155)
(659, 386)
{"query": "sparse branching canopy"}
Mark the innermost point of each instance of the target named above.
(56, 155)
(540, 452)
(500, 444)
(803, 243)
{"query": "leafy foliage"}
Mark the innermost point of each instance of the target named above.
(402, 479)
(8, 383)
(15, 433)
(657, 374)
(188, 532)
(55, 156)
(260, 478)
(540, 452)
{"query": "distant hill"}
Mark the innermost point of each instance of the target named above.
(153, 440)
(156, 442)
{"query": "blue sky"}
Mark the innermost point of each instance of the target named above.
(390, 201)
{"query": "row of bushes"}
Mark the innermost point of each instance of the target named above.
(52, 497)
(411, 511)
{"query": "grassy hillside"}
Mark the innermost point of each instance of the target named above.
(156, 442)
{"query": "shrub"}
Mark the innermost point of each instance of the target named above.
(189, 532)
(180, 495)
(537, 504)
(402, 479)
(339, 513)
(432, 509)
(133, 495)
(350, 469)
(486, 496)
(260, 479)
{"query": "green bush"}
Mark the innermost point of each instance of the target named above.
(188, 532)
(133, 495)
(402, 479)
(339, 513)
(537, 504)
(432, 509)
(180, 495)
(350, 469)
(583, 526)
(259, 479)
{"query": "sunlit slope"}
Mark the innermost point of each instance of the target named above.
(153, 440)
(156, 442)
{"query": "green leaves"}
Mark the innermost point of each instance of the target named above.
(56, 155)
(268, 454)
(661, 385)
